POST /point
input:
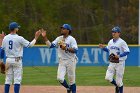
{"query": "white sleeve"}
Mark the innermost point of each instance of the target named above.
(108, 45)
(48, 43)
(3, 45)
(24, 42)
(55, 42)
(74, 44)
(125, 47)
(32, 43)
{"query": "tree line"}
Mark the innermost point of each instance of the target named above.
(91, 20)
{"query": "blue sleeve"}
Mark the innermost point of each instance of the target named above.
(75, 50)
(105, 49)
(1, 53)
(52, 45)
(124, 54)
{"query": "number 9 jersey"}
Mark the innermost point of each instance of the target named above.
(13, 45)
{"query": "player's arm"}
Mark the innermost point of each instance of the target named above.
(2, 53)
(1, 38)
(74, 47)
(103, 47)
(125, 49)
(48, 43)
(2, 65)
(124, 54)
(72, 50)
(26, 43)
(2, 50)
(1, 46)
(37, 34)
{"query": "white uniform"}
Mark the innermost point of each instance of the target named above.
(67, 60)
(118, 47)
(13, 46)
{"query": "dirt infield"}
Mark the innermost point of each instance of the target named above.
(80, 89)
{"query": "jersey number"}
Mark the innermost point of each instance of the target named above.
(11, 44)
(67, 45)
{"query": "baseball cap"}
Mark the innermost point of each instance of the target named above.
(116, 29)
(13, 25)
(66, 26)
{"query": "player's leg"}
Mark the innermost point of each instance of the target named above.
(8, 78)
(61, 72)
(71, 67)
(119, 75)
(17, 76)
(109, 76)
(110, 73)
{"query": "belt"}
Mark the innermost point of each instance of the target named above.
(16, 58)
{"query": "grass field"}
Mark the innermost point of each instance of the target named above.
(85, 76)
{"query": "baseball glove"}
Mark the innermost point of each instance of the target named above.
(62, 43)
(2, 67)
(113, 59)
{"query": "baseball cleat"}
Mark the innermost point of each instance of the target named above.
(68, 91)
(117, 90)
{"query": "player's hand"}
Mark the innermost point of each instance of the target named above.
(37, 34)
(101, 46)
(116, 56)
(43, 33)
(2, 35)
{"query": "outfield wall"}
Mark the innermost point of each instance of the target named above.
(87, 55)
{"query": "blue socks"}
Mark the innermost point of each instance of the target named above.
(114, 82)
(65, 84)
(16, 88)
(121, 89)
(73, 88)
(6, 88)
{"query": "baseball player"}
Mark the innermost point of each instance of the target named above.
(67, 49)
(119, 48)
(2, 65)
(13, 45)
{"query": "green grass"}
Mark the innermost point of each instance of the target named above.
(85, 76)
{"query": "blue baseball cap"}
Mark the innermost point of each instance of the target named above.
(13, 25)
(66, 26)
(116, 29)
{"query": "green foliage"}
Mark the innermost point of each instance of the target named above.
(88, 18)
